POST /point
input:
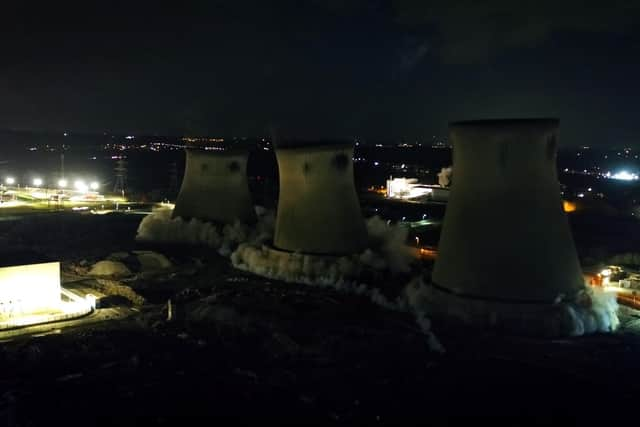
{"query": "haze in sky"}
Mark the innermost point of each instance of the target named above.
(373, 69)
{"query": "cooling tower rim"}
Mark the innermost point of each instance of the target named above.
(312, 144)
(497, 123)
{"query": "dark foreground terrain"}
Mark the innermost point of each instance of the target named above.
(251, 349)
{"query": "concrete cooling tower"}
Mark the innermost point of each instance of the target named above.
(506, 253)
(215, 186)
(318, 209)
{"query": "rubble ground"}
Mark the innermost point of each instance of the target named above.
(241, 346)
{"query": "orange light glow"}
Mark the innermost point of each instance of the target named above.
(379, 190)
(428, 253)
(568, 206)
(593, 279)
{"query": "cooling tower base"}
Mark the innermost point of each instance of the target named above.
(300, 260)
(305, 264)
(293, 267)
(517, 318)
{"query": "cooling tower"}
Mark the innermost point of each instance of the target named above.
(215, 186)
(318, 209)
(506, 253)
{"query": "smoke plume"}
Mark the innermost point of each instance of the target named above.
(159, 226)
(247, 249)
(595, 311)
(386, 260)
(629, 258)
(445, 176)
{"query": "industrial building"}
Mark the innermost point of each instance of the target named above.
(506, 255)
(215, 186)
(318, 208)
(29, 288)
(411, 189)
(31, 292)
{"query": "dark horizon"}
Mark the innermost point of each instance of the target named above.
(424, 141)
(370, 69)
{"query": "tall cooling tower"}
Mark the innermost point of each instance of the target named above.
(318, 209)
(215, 186)
(506, 252)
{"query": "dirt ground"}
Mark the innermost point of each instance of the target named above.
(251, 349)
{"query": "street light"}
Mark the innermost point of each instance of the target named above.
(94, 185)
(62, 183)
(37, 182)
(10, 181)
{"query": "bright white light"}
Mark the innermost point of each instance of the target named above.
(581, 195)
(404, 188)
(10, 181)
(62, 183)
(624, 176)
(29, 288)
(94, 185)
(91, 300)
(80, 185)
(37, 182)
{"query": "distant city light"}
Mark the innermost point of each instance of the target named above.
(624, 176)
(37, 182)
(62, 183)
(94, 185)
(10, 180)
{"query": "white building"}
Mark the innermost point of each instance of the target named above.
(29, 288)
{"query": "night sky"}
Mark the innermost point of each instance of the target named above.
(374, 69)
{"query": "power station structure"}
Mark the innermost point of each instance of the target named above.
(506, 257)
(318, 208)
(215, 186)
(121, 176)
